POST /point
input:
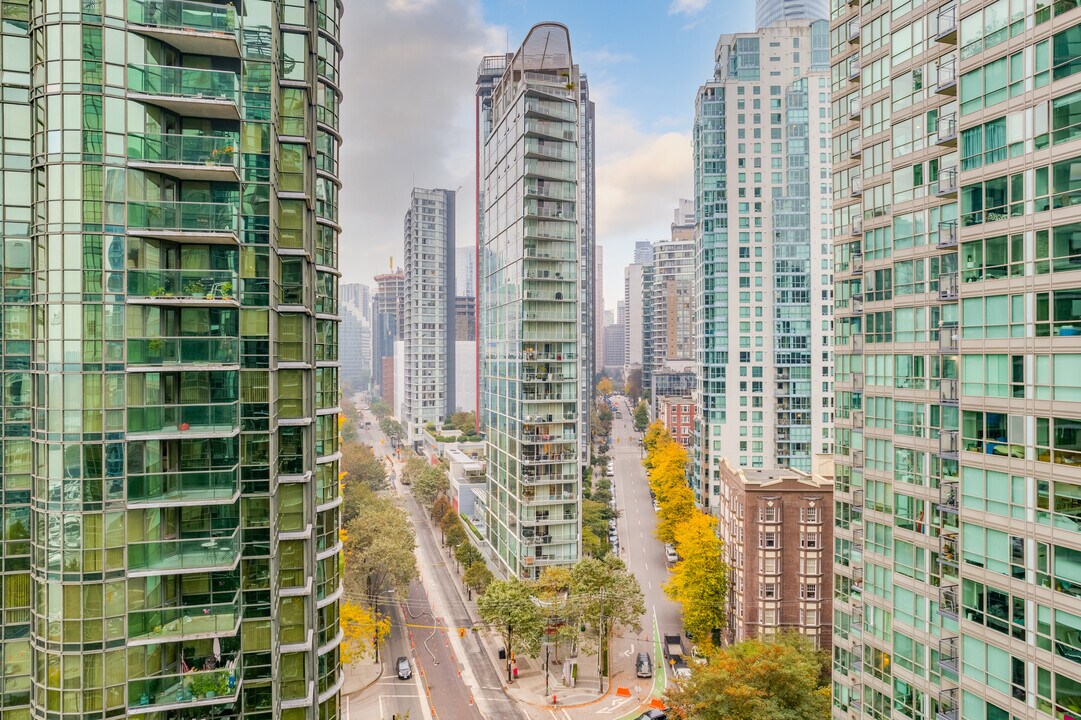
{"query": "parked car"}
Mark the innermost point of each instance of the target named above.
(653, 715)
(643, 666)
(405, 670)
(670, 553)
(612, 524)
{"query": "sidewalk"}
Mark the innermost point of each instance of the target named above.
(361, 674)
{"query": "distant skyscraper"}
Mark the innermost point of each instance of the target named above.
(643, 252)
(672, 291)
(354, 348)
(465, 271)
(598, 310)
(770, 12)
(613, 348)
(762, 337)
(533, 203)
(588, 265)
(635, 279)
(386, 324)
(428, 310)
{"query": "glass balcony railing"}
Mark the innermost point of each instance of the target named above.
(169, 624)
(184, 351)
(172, 216)
(181, 284)
(182, 82)
(213, 550)
(183, 15)
(197, 687)
(199, 486)
(207, 150)
(182, 418)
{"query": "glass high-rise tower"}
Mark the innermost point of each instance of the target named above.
(956, 254)
(531, 325)
(170, 443)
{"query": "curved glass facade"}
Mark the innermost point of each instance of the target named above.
(169, 506)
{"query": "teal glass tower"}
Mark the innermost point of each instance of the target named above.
(169, 507)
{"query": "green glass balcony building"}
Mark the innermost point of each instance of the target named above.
(169, 438)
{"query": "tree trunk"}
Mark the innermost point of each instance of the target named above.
(509, 654)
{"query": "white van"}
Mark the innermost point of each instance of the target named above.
(670, 554)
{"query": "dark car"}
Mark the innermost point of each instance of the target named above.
(405, 671)
(643, 666)
(653, 715)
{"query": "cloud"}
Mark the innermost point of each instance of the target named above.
(687, 7)
(408, 76)
(603, 56)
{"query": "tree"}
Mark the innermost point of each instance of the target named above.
(455, 535)
(641, 416)
(595, 517)
(676, 509)
(464, 421)
(656, 434)
(633, 387)
(430, 484)
(362, 629)
(699, 581)
(477, 578)
(507, 605)
(466, 555)
(379, 549)
(391, 427)
(605, 387)
(440, 508)
(360, 462)
(607, 596)
(379, 408)
(756, 680)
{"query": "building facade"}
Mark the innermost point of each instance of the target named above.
(613, 349)
(677, 414)
(386, 324)
(428, 310)
(354, 349)
(777, 528)
(957, 439)
(762, 239)
(170, 478)
(634, 303)
(531, 317)
(672, 290)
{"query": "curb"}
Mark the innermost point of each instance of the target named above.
(568, 706)
(371, 682)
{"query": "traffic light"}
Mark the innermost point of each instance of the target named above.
(461, 632)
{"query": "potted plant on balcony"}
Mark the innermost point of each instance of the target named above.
(221, 156)
(210, 684)
(195, 288)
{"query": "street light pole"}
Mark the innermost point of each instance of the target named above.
(547, 650)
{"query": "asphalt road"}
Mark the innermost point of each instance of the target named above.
(639, 546)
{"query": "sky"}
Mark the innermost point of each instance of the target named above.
(409, 73)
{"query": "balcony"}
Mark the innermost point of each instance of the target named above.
(947, 76)
(947, 183)
(546, 519)
(857, 419)
(948, 445)
(947, 549)
(856, 304)
(854, 107)
(948, 391)
(949, 707)
(947, 234)
(210, 158)
(857, 344)
(182, 287)
(947, 654)
(179, 352)
(547, 128)
(166, 489)
(857, 537)
(179, 691)
(947, 25)
(211, 551)
(189, 92)
(856, 229)
(855, 147)
(541, 458)
(948, 602)
(855, 186)
(857, 459)
(536, 539)
(854, 30)
(857, 381)
(547, 478)
(948, 339)
(854, 69)
(554, 150)
(193, 222)
(194, 621)
(183, 421)
(193, 28)
(946, 134)
(948, 286)
(543, 439)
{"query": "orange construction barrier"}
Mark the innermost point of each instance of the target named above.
(657, 703)
(623, 692)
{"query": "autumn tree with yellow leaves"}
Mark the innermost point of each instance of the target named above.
(362, 630)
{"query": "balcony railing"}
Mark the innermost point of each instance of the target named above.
(855, 186)
(185, 83)
(948, 338)
(172, 351)
(213, 550)
(182, 487)
(855, 146)
(948, 601)
(947, 130)
(182, 418)
(857, 458)
(196, 688)
(948, 444)
(855, 264)
(854, 107)
(183, 15)
(947, 182)
(857, 419)
(948, 287)
(857, 344)
(857, 304)
(947, 497)
(947, 25)
(857, 225)
(854, 68)
(947, 549)
(182, 217)
(947, 654)
(854, 30)
(948, 705)
(189, 621)
(176, 285)
(947, 234)
(948, 391)
(947, 76)
(204, 150)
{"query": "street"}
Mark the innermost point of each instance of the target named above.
(639, 547)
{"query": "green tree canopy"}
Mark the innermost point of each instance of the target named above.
(756, 680)
(507, 605)
(607, 596)
(477, 577)
(363, 466)
(641, 416)
(379, 545)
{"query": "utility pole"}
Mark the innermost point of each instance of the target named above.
(601, 648)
